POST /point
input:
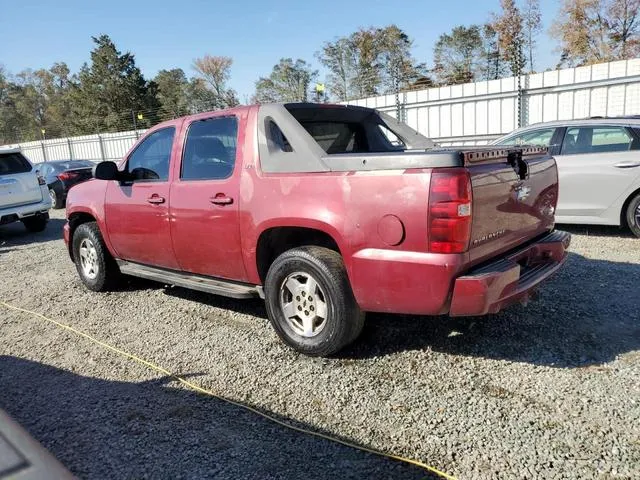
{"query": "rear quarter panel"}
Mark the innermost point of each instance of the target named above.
(366, 213)
(346, 205)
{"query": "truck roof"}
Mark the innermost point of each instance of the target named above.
(287, 105)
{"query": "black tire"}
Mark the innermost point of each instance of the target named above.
(343, 320)
(57, 201)
(106, 272)
(633, 215)
(37, 223)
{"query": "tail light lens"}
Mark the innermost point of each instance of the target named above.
(449, 211)
(68, 175)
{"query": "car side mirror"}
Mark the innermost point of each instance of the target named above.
(106, 171)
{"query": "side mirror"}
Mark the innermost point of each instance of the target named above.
(106, 171)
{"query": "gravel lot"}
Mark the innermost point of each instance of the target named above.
(547, 391)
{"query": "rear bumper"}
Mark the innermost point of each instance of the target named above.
(19, 212)
(511, 279)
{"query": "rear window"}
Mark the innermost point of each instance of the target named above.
(12, 163)
(58, 167)
(338, 137)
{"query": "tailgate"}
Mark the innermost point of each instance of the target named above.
(515, 193)
(18, 183)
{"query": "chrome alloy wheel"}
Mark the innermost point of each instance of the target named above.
(88, 258)
(638, 216)
(304, 304)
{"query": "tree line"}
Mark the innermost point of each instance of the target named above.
(110, 93)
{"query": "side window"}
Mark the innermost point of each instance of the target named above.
(210, 149)
(596, 140)
(150, 160)
(391, 137)
(276, 140)
(539, 138)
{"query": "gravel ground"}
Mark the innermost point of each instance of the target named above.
(547, 391)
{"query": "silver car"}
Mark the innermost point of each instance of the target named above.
(598, 166)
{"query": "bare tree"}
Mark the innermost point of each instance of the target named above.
(532, 24)
(289, 81)
(509, 26)
(216, 71)
(624, 29)
(457, 55)
(582, 29)
(339, 58)
(494, 65)
(399, 68)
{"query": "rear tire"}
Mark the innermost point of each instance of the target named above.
(56, 200)
(96, 267)
(37, 223)
(310, 302)
(633, 215)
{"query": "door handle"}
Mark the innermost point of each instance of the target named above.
(155, 198)
(221, 199)
(628, 164)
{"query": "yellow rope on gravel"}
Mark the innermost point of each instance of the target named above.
(199, 389)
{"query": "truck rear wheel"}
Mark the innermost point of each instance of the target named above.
(633, 215)
(310, 303)
(96, 267)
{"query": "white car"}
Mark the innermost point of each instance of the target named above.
(24, 196)
(598, 167)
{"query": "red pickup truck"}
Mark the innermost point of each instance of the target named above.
(326, 212)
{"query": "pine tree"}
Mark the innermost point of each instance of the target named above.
(112, 92)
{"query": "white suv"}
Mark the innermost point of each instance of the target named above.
(24, 195)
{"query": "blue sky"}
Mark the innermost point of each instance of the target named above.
(256, 34)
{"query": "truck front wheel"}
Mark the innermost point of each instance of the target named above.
(96, 267)
(310, 303)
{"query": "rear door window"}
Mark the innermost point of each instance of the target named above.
(210, 149)
(13, 163)
(581, 140)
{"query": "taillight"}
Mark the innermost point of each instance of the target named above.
(68, 175)
(41, 180)
(449, 211)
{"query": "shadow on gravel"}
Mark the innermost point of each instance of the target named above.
(588, 314)
(112, 429)
(15, 234)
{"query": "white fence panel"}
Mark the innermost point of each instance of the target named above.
(475, 113)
